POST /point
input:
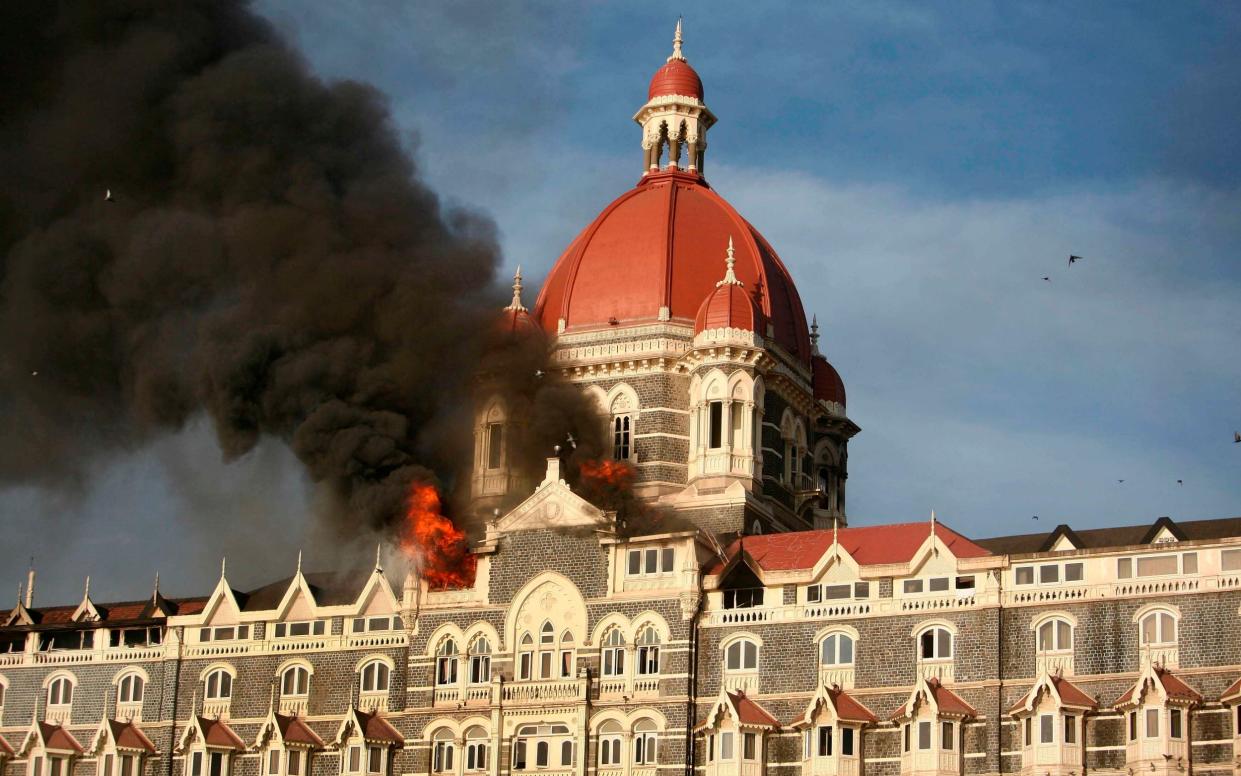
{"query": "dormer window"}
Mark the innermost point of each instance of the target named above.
(76, 639)
(825, 592)
(372, 624)
(224, 633)
(135, 637)
(1157, 565)
(299, 629)
(651, 561)
(743, 599)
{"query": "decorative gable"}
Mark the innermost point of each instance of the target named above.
(553, 505)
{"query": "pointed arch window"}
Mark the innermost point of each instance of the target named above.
(476, 749)
(648, 651)
(644, 736)
(525, 657)
(547, 651)
(567, 661)
(610, 744)
(446, 663)
(480, 661)
(614, 653)
(442, 751)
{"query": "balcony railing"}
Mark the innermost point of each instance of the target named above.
(542, 692)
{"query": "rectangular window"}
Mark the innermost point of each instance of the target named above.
(726, 745)
(1152, 723)
(1029, 737)
(519, 755)
(295, 763)
(545, 665)
(495, 445)
(1074, 572)
(906, 730)
(53, 766)
(846, 741)
(861, 590)
(566, 664)
(837, 592)
(1174, 723)
(947, 739)
(912, 586)
(924, 735)
(1189, 563)
(1024, 575)
(743, 599)
(937, 584)
(1133, 726)
(215, 764)
(523, 663)
(127, 765)
(1157, 566)
(37, 769)
(825, 741)
(107, 766)
(1124, 568)
(749, 746)
(1046, 729)
(711, 748)
(635, 562)
(667, 556)
(1048, 574)
(716, 425)
(1070, 730)
(965, 583)
(814, 594)
(355, 759)
(652, 561)
(374, 760)
(273, 761)
(1230, 560)
(196, 764)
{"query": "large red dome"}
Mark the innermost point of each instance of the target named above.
(660, 246)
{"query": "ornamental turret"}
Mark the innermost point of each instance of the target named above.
(674, 117)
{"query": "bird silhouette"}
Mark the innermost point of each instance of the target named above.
(1180, 482)
(107, 196)
(1236, 437)
(1073, 259)
(538, 373)
(1120, 480)
(1047, 278)
(572, 442)
(1034, 518)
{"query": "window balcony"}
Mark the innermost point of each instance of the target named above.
(942, 669)
(741, 681)
(1054, 663)
(544, 692)
(842, 676)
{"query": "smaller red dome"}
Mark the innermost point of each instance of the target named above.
(514, 326)
(676, 77)
(827, 383)
(728, 307)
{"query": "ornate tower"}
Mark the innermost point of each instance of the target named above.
(674, 117)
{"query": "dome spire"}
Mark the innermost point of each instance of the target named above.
(730, 277)
(516, 305)
(676, 44)
(814, 334)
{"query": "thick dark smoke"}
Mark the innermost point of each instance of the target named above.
(269, 258)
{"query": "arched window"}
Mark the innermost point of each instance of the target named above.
(614, 653)
(446, 663)
(836, 649)
(442, 751)
(741, 655)
(547, 651)
(935, 644)
(622, 438)
(476, 749)
(375, 676)
(128, 690)
(566, 752)
(218, 685)
(493, 438)
(60, 692)
(648, 651)
(525, 657)
(480, 661)
(566, 655)
(1158, 629)
(294, 682)
(644, 743)
(610, 743)
(1055, 635)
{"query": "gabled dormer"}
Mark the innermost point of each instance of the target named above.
(1164, 531)
(297, 616)
(86, 611)
(734, 735)
(1050, 718)
(832, 728)
(220, 619)
(120, 748)
(376, 619)
(931, 723)
(1156, 710)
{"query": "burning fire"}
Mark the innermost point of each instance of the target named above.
(607, 474)
(438, 546)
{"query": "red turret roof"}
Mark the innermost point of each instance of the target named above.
(728, 307)
(827, 383)
(658, 248)
(675, 77)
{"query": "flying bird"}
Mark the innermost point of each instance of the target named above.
(35, 373)
(1180, 482)
(1236, 437)
(572, 442)
(538, 373)
(1047, 278)
(1120, 480)
(1073, 259)
(107, 196)
(1034, 518)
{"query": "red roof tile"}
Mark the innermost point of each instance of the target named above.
(295, 731)
(1172, 685)
(750, 713)
(128, 736)
(56, 737)
(217, 733)
(1233, 691)
(869, 545)
(849, 708)
(376, 728)
(1070, 695)
(946, 700)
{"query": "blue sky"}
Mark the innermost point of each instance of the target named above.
(919, 166)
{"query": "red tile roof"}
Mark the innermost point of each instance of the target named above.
(5, 748)
(56, 737)
(1172, 685)
(217, 733)
(869, 545)
(1233, 691)
(295, 731)
(1070, 695)
(946, 700)
(128, 736)
(750, 713)
(849, 708)
(376, 728)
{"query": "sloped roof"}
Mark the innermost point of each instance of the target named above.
(218, 733)
(869, 545)
(947, 701)
(127, 735)
(847, 707)
(328, 588)
(6, 749)
(1118, 536)
(1175, 688)
(294, 731)
(120, 612)
(56, 737)
(750, 713)
(376, 728)
(1233, 692)
(1070, 694)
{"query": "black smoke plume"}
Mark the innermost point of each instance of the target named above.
(268, 255)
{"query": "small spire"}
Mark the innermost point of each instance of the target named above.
(676, 44)
(155, 590)
(378, 551)
(86, 589)
(730, 277)
(516, 305)
(299, 563)
(223, 566)
(814, 334)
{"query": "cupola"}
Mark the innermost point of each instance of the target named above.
(674, 116)
(728, 308)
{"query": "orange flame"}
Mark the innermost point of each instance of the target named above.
(431, 538)
(608, 474)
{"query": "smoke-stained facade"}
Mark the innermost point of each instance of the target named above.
(676, 589)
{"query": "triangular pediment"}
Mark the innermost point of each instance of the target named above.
(553, 505)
